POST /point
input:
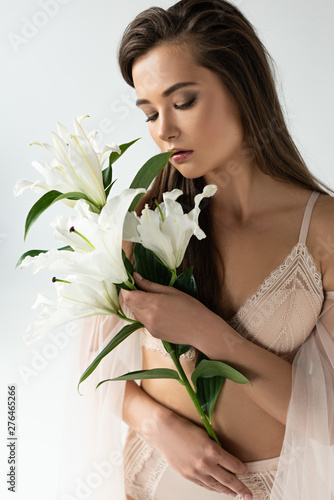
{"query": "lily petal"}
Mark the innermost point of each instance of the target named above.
(167, 235)
(79, 299)
(23, 184)
(76, 165)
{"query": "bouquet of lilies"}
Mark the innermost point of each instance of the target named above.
(91, 266)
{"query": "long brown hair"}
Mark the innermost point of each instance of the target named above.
(222, 40)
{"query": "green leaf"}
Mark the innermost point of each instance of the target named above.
(107, 172)
(127, 264)
(121, 286)
(149, 266)
(207, 368)
(46, 201)
(107, 178)
(147, 173)
(181, 349)
(208, 378)
(146, 374)
(186, 283)
(121, 335)
(123, 147)
(34, 253)
(208, 390)
(108, 188)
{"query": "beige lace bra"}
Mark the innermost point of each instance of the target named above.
(282, 312)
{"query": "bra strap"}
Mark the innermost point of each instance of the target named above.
(307, 216)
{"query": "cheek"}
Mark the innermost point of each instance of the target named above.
(211, 122)
(225, 126)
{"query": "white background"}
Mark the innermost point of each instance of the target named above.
(59, 61)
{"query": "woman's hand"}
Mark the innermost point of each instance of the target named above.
(188, 449)
(168, 313)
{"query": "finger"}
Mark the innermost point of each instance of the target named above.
(134, 299)
(150, 286)
(201, 483)
(230, 462)
(210, 483)
(229, 481)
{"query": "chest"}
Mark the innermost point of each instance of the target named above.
(272, 289)
(248, 258)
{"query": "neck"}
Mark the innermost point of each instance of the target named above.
(243, 191)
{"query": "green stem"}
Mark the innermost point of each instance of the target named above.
(122, 316)
(161, 214)
(173, 278)
(130, 285)
(184, 381)
(192, 394)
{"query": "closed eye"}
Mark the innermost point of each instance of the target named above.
(181, 106)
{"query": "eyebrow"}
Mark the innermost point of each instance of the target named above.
(167, 92)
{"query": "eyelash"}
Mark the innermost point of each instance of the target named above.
(182, 106)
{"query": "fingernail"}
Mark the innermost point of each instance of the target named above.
(248, 497)
(137, 275)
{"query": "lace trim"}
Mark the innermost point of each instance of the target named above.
(138, 455)
(137, 465)
(153, 344)
(137, 452)
(300, 249)
(309, 271)
(260, 484)
(155, 477)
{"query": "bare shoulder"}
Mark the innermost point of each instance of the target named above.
(323, 238)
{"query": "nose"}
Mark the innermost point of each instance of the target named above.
(167, 127)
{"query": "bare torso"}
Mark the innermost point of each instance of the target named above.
(250, 252)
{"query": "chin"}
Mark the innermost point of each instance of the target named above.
(188, 172)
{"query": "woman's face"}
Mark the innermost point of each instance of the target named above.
(199, 117)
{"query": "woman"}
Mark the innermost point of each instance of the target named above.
(226, 112)
(203, 80)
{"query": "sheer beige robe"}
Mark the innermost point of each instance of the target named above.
(91, 460)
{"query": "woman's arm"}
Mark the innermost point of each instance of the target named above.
(185, 446)
(270, 375)
(179, 318)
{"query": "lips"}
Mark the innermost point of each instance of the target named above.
(182, 155)
(179, 151)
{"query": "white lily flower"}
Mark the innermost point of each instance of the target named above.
(166, 231)
(95, 239)
(76, 165)
(80, 298)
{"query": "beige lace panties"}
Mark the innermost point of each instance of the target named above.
(149, 477)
